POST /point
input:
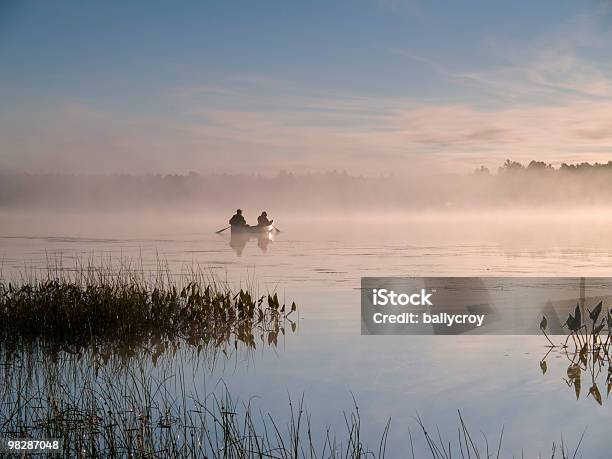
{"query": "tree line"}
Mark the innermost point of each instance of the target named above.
(534, 184)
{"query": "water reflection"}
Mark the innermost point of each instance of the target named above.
(132, 396)
(150, 408)
(587, 349)
(319, 265)
(238, 241)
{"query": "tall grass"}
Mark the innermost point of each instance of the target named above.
(54, 328)
(469, 444)
(144, 411)
(136, 411)
(124, 307)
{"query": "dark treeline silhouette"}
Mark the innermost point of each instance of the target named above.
(510, 166)
(513, 184)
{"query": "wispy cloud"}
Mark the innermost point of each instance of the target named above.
(561, 63)
(365, 136)
(550, 100)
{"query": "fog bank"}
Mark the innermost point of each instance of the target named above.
(512, 186)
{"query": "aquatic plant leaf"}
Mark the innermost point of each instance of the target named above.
(594, 314)
(543, 323)
(597, 330)
(577, 386)
(584, 353)
(574, 322)
(594, 391)
(573, 371)
(578, 317)
(543, 366)
(569, 322)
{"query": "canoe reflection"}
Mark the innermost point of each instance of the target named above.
(238, 241)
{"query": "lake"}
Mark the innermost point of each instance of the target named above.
(494, 381)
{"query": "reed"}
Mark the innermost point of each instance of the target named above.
(54, 327)
(468, 444)
(140, 411)
(123, 306)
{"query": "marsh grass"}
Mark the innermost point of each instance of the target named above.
(587, 347)
(54, 328)
(119, 307)
(469, 444)
(140, 412)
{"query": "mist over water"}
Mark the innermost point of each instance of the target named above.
(535, 187)
(531, 229)
(317, 261)
(327, 251)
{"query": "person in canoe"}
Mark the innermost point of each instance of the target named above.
(237, 220)
(262, 220)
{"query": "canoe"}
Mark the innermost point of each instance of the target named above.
(252, 229)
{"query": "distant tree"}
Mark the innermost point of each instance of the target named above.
(511, 166)
(539, 165)
(283, 174)
(584, 166)
(482, 170)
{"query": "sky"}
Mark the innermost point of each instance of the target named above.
(367, 86)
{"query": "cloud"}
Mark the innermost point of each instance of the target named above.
(548, 101)
(546, 77)
(565, 63)
(446, 136)
(191, 91)
(366, 135)
(435, 65)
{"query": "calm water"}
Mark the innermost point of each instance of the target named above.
(494, 380)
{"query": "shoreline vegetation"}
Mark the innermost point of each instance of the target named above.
(119, 307)
(534, 185)
(137, 400)
(140, 411)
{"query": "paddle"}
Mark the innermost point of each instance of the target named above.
(277, 230)
(221, 230)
